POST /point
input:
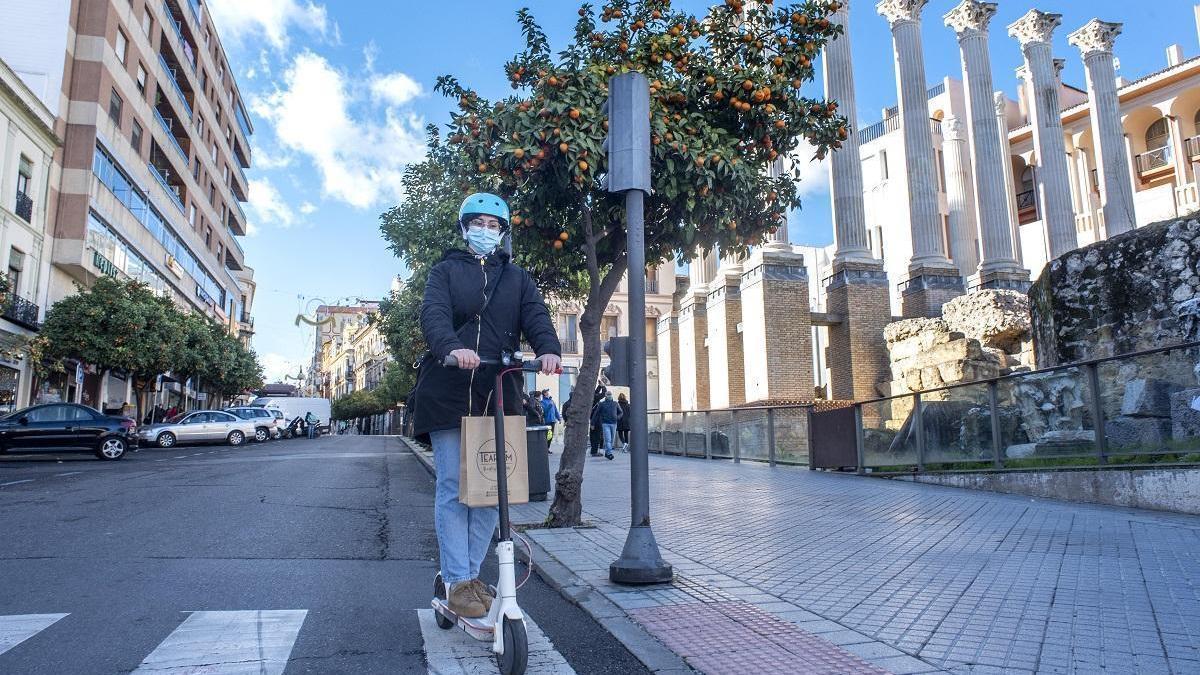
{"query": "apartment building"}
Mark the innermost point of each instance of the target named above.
(156, 141)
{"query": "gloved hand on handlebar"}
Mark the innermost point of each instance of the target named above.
(467, 358)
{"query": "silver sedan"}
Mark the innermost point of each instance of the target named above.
(201, 426)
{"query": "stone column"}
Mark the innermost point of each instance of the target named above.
(776, 327)
(778, 240)
(959, 199)
(668, 362)
(999, 267)
(727, 383)
(932, 278)
(1095, 40)
(1033, 31)
(845, 166)
(1000, 102)
(693, 352)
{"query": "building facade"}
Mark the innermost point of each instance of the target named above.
(342, 333)
(156, 141)
(27, 146)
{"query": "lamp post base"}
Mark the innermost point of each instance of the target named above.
(640, 561)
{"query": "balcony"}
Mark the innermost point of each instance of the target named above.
(1192, 147)
(24, 207)
(21, 312)
(652, 284)
(235, 226)
(570, 346)
(172, 191)
(1026, 200)
(195, 7)
(166, 126)
(173, 75)
(184, 42)
(1154, 161)
(243, 123)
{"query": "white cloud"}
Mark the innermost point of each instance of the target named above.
(307, 208)
(359, 149)
(395, 88)
(269, 19)
(270, 160)
(269, 205)
(814, 174)
(275, 366)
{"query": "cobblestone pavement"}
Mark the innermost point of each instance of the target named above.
(910, 577)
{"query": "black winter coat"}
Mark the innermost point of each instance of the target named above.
(450, 320)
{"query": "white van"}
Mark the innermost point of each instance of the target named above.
(294, 406)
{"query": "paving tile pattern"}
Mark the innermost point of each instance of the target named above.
(737, 637)
(971, 581)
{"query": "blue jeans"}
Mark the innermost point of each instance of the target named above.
(312, 431)
(610, 432)
(464, 534)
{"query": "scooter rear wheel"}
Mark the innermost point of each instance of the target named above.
(516, 648)
(439, 592)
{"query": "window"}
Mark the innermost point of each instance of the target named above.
(122, 46)
(214, 152)
(200, 126)
(135, 138)
(608, 327)
(941, 167)
(192, 215)
(220, 251)
(141, 79)
(114, 107)
(16, 264)
(883, 165)
(208, 237)
(147, 20)
(221, 73)
(1157, 135)
(879, 238)
(1027, 179)
(24, 176)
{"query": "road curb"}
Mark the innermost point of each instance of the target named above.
(644, 647)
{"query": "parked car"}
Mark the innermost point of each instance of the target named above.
(265, 426)
(201, 426)
(295, 406)
(280, 422)
(68, 426)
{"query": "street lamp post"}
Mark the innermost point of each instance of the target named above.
(628, 147)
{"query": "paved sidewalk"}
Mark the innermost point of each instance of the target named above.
(913, 578)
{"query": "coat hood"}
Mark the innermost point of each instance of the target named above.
(496, 257)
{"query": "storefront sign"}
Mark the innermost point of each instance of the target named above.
(78, 373)
(104, 264)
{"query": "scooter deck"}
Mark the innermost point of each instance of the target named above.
(481, 629)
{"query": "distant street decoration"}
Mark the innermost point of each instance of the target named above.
(309, 316)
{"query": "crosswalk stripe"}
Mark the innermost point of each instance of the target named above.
(216, 643)
(453, 652)
(18, 628)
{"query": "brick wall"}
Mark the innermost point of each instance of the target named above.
(857, 354)
(668, 363)
(693, 354)
(726, 369)
(776, 327)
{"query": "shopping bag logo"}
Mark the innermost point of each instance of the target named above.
(485, 458)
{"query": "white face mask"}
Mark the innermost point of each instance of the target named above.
(482, 239)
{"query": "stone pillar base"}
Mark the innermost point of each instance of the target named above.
(1011, 281)
(776, 327)
(727, 383)
(668, 362)
(928, 288)
(858, 292)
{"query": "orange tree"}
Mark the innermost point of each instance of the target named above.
(726, 105)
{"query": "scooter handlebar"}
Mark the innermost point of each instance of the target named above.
(532, 365)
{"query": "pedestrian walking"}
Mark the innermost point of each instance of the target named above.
(477, 304)
(534, 416)
(607, 414)
(551, 416)
(623, 423)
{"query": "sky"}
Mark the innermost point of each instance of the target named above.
(339, 93)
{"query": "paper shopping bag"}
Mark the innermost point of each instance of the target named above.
(477, 461)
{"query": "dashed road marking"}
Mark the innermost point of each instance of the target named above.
(15, 629)
(228, 642)
(453, 652)
(17, 482)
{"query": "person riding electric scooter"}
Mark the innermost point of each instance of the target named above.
(477, 304)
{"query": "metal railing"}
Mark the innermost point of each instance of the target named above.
(195, 7)
(1192, 146)
(884, 126)
(21, 312)
(651, 285)
(171, 76)
(1152, 160)
(183, 41)
(570, 346)
(1026, 200)
(24, 207)
(1128, 410)
(170, 189)
(162, 121)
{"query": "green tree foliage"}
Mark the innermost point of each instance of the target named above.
(726, 106)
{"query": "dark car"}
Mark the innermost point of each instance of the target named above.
(67, 426)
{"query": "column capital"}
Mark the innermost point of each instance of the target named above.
(900, 11)
(970, 17)
(1059, 64)
(1095, 36)
(1035, 26)
(952, 129)
(1000, 103)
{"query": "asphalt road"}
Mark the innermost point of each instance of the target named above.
(340, 527)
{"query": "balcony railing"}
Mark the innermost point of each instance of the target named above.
(570, 346)
(21, 312)
(868, 134)
(162, 121)
(183, 41)
(241, 119)
(1192, 146)
(652, 285)
(1026, 200)
(172, 76)
(1155, 159)
(170, 189)
(195, 7)
(246, 318)
(24, 207)
(233, 237)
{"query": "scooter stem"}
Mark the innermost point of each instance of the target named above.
(501, 455)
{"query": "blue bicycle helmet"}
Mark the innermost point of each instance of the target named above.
(483, 203)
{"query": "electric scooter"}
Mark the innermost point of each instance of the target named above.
(504, 625)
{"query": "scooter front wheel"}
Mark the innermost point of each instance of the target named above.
(439, 592)
(516, 648)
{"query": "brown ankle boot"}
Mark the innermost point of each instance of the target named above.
(483, 593)
(464, 601)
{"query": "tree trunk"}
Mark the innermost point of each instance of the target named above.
(568, 482)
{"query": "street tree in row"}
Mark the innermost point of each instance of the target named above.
(124, 326)
(726, 107)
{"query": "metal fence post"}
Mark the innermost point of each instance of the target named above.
(771, 435)
(737, 439)
(1093, 374)
(993, 396)
(707, 435)
(683, 434)
(860, 449)
(662, 434)
(920, 423)
(811, 445)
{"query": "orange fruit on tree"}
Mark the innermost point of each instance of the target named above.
(558, 245)
(574, 114)
(748, 85)
(482, 167)
(583, 166)
(516, 220)
(563, 236)
(778, 61)
(519, 153)
(779, 124)
(563, 148)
